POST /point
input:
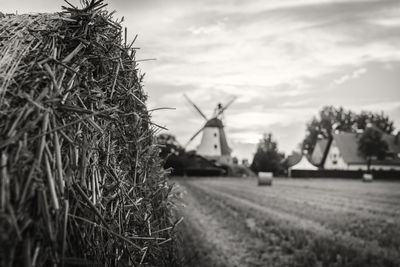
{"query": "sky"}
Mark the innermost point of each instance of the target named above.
(283, 60)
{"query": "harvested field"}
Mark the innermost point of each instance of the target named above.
(304, 222)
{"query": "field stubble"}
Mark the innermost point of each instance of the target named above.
(232, 222)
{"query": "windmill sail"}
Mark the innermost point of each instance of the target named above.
(194, 136)
(221, 110)
(213, 144)
(195, 106)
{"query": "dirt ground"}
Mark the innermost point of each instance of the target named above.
(307, 222)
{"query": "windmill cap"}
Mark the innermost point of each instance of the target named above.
(214, 123)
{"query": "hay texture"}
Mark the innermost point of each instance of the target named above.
(265, 178)
(81, 181)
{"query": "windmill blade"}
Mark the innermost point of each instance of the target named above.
(194, 136)
(196, 107)
(226, 106)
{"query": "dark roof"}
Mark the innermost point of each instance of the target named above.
(293, 159)
(323, 144)
(318, 154)
(393, 142)
(214, 122)
(348, 147)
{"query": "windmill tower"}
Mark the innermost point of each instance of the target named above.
(213, 144)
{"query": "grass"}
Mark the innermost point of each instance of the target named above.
(284, 241)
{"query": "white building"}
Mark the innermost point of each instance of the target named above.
(213, 143)
(302, 165)
(342, 154)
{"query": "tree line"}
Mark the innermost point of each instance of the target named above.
(268, 158)
(329, 120)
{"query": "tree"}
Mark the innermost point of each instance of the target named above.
(235, 161)
(379, 120)
(172, 152)
(267, 157)
(169, 145)
(372, 145)
(331, 119)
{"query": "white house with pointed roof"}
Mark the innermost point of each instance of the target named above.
(342, 154)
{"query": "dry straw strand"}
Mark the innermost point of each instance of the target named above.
(81, 180)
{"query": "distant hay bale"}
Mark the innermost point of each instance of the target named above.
(81, 181)
(265, 178)
(367, 177)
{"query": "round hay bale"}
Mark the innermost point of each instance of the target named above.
(265, 178)
(367, 178)
(264, 181)
(81, 180)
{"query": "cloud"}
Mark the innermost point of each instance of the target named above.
(388, 22)
(279, 57)
(283, 59)
(357, 73)
(206, 30)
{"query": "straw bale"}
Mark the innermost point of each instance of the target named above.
(265, 178)
(264, 181)
(80, 177)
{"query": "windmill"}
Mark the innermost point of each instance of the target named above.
(213, 143)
